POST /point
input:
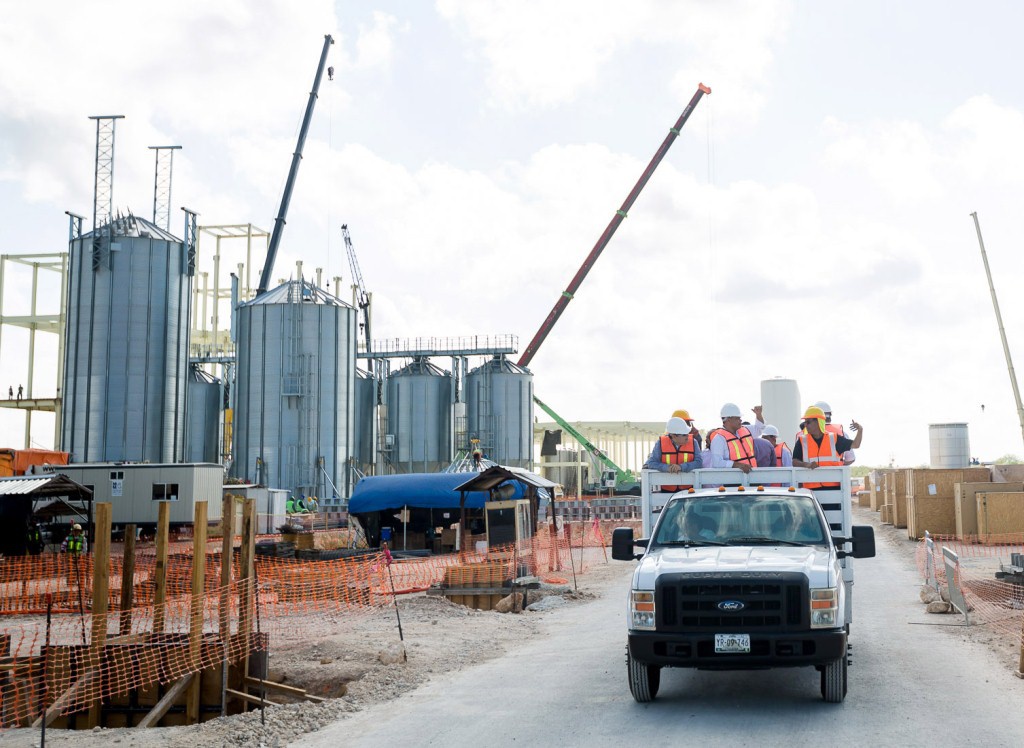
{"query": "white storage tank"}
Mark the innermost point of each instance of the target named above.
(950, 446)
(780, 399)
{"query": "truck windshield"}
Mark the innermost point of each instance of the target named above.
(762, 519)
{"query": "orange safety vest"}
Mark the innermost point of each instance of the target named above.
(740, 444)
(823, 455)
(779, 448)
(671, 455)
(835, 428)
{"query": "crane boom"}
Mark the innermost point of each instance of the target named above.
(602, 242)
(282, 213)
(362, 298)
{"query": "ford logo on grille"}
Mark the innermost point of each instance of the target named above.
(731, 606)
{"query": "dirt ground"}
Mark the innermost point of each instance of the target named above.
(355, 661)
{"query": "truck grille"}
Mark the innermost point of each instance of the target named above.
(755, 601)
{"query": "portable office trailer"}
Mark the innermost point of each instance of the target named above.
(135, 490)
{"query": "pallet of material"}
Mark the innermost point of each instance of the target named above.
(1000, 512)
(966, 506)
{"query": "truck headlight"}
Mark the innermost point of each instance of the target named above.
(824, 608)
(641, 609)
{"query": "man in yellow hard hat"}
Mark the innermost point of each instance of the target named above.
(817, 447)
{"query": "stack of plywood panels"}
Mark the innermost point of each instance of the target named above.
(896, 496)
(931, 495)
(965, 503)
(1000, 513)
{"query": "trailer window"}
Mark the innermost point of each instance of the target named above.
(165, 492)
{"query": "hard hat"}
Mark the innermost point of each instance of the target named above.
(770, 430)
(684, 414)
(825, 407)
(814, 412)
(677, 425)
(76, 526)
(731, 410)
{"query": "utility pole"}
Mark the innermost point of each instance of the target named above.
(1002, 335)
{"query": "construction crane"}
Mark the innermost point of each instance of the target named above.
(602, 242)
(282, 213)
(361, 297)
(623, 479)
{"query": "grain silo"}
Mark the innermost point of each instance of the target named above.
(420, 418)
(294, 390)
(205, 395)
(499, 411)
(126, 353)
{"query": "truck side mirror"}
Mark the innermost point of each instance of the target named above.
(622, 544)
(863, 541)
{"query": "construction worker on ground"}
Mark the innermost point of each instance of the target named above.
(732, 445)
(685, 415)
(676, 451)
(75, 543)
(817, 447)
(33, 538)
(835, 428)
(783, 454)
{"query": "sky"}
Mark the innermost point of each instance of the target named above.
(812, 221)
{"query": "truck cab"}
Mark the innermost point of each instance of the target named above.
(742, 571)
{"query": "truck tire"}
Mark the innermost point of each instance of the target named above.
(644, 679)
(833, 681)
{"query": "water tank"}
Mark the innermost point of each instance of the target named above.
(202, 440)
(126, 345)
(780, 399)
(950, 446)
(499, 411)
(420, 422)
(364, 413)
(295, 390)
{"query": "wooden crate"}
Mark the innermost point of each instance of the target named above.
(886, 514)
(863, 498)
(966, 506)
(899, 510)
(934, 514)
(1008, 473)
(1000, 513)
(941, 482)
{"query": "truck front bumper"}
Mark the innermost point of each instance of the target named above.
(767, 650)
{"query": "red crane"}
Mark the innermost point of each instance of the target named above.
(567, 294)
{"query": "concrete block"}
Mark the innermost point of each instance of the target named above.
(966, 507)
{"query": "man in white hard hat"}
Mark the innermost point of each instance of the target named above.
(835, 428)
(75, 543)
(676, 451)
(783, 454)
(732, 445)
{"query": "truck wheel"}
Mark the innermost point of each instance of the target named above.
(644, 679)
(833, 681)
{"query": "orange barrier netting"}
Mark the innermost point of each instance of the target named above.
(996, 603)
(148, 645)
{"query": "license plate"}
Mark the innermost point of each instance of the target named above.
(732, 643)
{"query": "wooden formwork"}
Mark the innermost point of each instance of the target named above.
(931, 498)
(965, 503)
(1000, 512)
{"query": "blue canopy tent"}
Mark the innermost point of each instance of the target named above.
(378, 493)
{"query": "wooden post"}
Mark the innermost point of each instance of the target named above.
(227, 524)
(195, 629)
(160, 595)
(127, 580)
(246, 561)
(100, 600)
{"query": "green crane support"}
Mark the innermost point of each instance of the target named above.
(621, 476)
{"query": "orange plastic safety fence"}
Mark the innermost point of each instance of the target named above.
(148, 644)
(997, 603)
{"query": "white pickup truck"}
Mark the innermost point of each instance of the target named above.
(742, 572)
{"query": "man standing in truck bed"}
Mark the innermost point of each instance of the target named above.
(732, 446)
(817, 447)
(675, 451)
